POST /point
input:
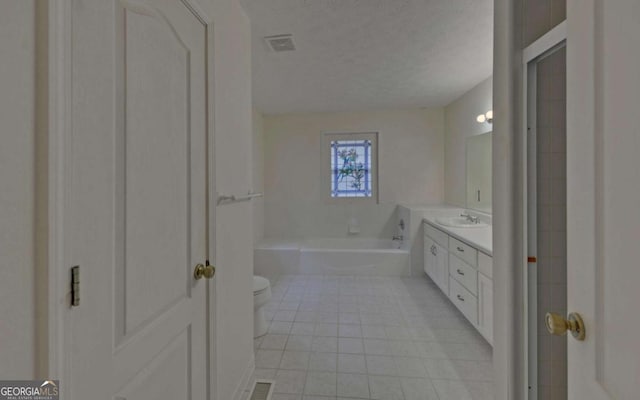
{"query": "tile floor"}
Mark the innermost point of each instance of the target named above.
(361, 337)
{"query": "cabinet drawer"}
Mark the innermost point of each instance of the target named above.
(436, 234)
(485, 264)
(466, 302)
(464, 274)
(464, 251)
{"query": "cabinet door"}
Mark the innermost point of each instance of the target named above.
(430, 258)
(485, 307)
(442, 268)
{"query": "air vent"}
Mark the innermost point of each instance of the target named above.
(278, 43)
(262, 390)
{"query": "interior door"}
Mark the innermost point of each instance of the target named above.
(136, 222)
(603, 170)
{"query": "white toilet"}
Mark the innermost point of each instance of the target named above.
(261, 296)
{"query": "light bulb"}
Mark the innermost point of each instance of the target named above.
(481, 118)
(489, 114)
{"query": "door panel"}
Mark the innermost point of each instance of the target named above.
(151, 383)
(138, 200)
(155, 168)
(603, 143)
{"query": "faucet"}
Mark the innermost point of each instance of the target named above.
(470, 218)
(398, 237)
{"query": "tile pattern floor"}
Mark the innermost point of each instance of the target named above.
(362, 337)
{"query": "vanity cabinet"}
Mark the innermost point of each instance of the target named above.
(485, 296)
(464, 274)
(436, 263)
(485, 307)
(430, 262)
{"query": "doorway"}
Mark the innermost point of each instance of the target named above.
(546, 213)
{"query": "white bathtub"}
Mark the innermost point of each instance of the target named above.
(332, 256)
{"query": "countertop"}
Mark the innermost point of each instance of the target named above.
(480, 238)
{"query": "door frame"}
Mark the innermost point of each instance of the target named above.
(546, 45)
(59, 125)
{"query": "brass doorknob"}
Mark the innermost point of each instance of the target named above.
(557, 325)
(204, 271)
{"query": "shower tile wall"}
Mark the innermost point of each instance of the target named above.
(552, 226)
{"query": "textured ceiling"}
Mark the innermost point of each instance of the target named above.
(369, 54)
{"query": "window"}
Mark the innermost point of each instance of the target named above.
(352, 162)
(351, 168)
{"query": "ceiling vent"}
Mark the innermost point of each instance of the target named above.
(279, 43)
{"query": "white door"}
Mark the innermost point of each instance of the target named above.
(603, 196)
(136, 216)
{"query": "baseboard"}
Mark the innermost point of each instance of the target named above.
(246, 378)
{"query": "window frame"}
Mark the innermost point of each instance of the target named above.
(327, 173)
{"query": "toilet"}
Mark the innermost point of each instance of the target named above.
(261, 296)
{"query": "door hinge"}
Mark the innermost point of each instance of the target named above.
(75, 286)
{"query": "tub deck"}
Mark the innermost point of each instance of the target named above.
(332, 256)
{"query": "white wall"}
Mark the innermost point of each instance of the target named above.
(411, 170)
(234, 244)
(18, 344)
(258, 175)
(460, 123)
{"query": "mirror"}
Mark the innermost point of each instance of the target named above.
(478, 160)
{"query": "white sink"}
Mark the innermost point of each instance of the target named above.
(460, 222)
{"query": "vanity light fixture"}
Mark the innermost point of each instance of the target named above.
(486, 117)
